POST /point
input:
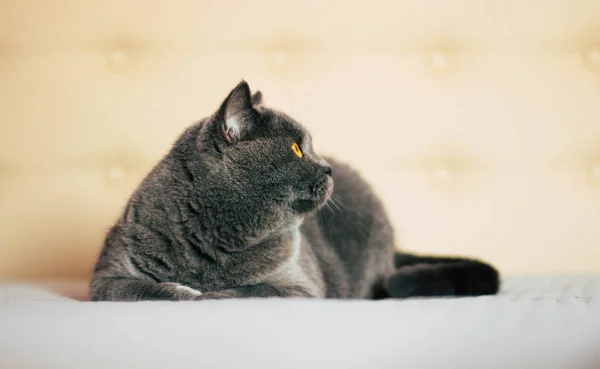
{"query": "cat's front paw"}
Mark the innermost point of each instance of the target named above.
(180, 291)
(219, 295)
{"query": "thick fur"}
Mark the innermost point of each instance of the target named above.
(231, 211)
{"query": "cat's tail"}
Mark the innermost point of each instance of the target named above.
(429, 276)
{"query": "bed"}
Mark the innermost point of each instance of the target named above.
(549, 321)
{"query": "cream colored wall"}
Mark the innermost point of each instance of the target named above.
(477, 121)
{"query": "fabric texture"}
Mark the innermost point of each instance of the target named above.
(535, 322)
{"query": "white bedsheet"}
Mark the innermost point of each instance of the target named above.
(536, 322)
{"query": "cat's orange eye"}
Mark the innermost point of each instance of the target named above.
(296, 149)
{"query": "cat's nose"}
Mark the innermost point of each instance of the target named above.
(325, 166)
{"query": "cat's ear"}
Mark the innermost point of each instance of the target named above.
(257, 98)
(236, 114)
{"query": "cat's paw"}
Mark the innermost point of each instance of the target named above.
(182, 292)
(219, 295)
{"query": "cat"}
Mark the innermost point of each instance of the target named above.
(243, 207)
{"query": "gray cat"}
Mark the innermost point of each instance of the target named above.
(242, 206)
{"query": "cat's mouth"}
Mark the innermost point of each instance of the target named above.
(323, 190)
(320, 193)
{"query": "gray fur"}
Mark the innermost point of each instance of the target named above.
(231, 211)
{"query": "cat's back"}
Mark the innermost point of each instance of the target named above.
(354, 225)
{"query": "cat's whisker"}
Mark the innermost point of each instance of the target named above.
(337, 204)
(333, 208)
(328, 205)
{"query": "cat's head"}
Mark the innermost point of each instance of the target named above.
(261, 159)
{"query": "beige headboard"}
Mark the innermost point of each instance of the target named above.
(477, 121)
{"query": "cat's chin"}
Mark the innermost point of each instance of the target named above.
(322, 194)
(304, 206)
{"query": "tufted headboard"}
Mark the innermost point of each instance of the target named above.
(478, 122)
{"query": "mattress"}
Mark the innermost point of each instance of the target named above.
(535, 322)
